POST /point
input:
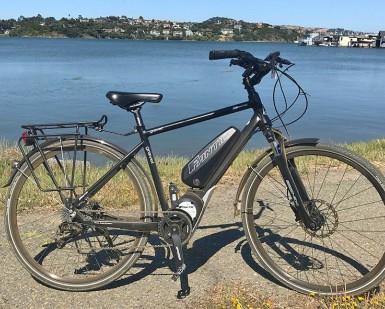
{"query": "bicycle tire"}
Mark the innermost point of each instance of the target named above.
(346, 256)
(36, 222)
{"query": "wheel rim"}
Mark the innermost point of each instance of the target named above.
(92, 257)
(347, 254)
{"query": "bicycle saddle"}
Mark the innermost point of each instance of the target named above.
(130, 100)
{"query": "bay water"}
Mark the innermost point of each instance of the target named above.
(64, 80)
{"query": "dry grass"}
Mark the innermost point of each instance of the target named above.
(170, 166)
(234, 295)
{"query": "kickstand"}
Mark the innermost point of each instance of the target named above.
(180, 272)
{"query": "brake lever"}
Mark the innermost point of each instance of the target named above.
(234, 62)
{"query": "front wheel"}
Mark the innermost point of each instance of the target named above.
(56, 248)
(346, 255)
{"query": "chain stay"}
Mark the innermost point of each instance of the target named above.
(146, 212)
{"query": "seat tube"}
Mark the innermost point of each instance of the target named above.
(150, 159)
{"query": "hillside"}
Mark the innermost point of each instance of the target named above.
(122, 27)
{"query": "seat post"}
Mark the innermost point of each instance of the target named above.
(138, 117)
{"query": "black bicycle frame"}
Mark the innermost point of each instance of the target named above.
(145, 144)
(259, 120)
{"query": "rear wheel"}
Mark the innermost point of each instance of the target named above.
(59, 250)
(346, 255)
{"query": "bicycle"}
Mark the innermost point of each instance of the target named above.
(79, 209)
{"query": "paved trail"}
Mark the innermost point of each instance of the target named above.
(217, 253)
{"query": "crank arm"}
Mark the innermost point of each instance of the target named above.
(180, 272)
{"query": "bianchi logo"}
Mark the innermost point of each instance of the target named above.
(210, 150)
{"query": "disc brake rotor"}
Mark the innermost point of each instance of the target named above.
(330, 218)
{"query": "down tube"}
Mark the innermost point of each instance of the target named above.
(245, 136)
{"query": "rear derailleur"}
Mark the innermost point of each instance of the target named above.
(67, 231)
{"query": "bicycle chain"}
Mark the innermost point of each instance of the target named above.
(145, 212)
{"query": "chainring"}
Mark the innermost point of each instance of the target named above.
(172, 218)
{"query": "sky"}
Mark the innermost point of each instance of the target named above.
(357, 15)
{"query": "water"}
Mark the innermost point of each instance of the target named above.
(61, 80)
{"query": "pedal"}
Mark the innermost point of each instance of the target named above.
(183, 293)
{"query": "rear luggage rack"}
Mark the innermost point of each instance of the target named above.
(36, 135)
(96, 125)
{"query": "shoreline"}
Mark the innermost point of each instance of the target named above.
(128, 39)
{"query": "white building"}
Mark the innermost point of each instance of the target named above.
(307, 39)
(227, 31)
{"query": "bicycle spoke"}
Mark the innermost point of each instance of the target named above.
(63, 251)
(351, 239)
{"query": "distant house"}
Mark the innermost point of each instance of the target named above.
(116, 30)
(155, 32)
(189, 32)
(177, 33)
(207, 31)
(346, 41)
(367, 41)
(380, 42)
(329, 40)
(357, 41)
(238, 27)
(227, 31)
(308, 38)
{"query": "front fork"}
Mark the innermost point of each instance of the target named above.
(301, 203)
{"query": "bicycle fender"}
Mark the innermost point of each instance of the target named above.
(10, 179)
(15, 166)
(267, 152)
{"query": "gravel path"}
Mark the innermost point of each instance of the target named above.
(217, 253)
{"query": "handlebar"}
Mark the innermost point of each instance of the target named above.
(223, 54)
(273, 58)
(253, 65)
(245, 59)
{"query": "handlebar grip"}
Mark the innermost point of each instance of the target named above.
(223, 54)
